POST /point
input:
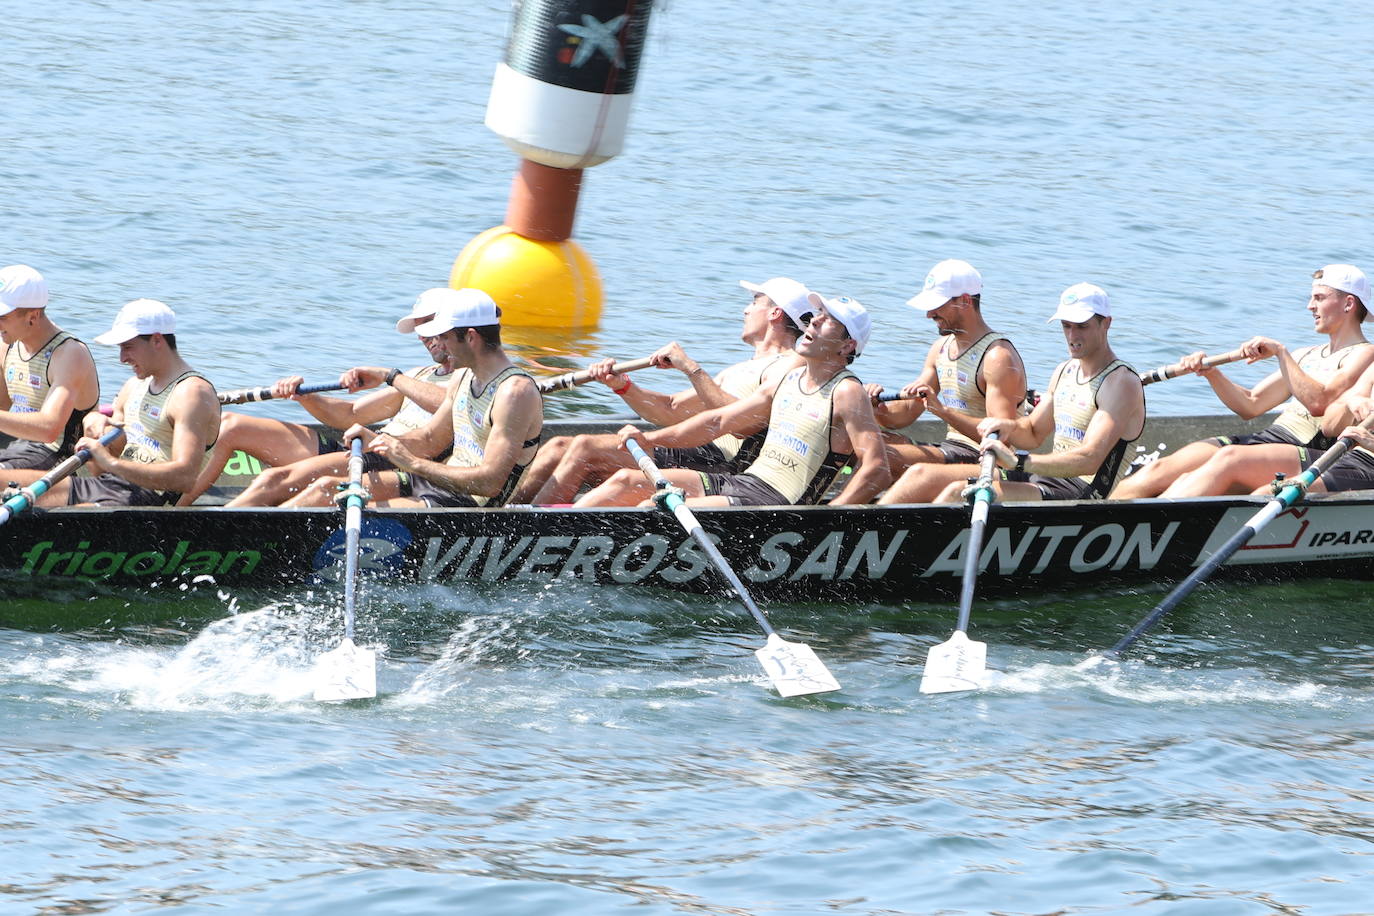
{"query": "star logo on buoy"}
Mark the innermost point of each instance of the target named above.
(592, 36)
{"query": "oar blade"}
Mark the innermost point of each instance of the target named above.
(346, 673)
(794, 668)
(959, 663)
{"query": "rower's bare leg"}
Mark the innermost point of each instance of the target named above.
(902, 454)
(541, 468)
(1157, 476)
(383, 486)
(22, 477)
(1237, 469)
(273, 442)
(274, 486)
(923, 483)
(590, 458)
(1006, 490)
(626, 487)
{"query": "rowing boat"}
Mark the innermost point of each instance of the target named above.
(847, 554)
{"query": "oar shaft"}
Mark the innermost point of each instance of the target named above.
(250, 395)
(688, 520)
(1174, 370)
(982, 502)
(29, 495)
(583, 376)
(1285, 499)
(353, 527)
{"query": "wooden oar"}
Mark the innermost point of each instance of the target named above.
(28, 496)
(582, 377)
(248, 395)
(959, 663)
(349, 672)
(1174, 370)
(793, 667)
(1285, 499)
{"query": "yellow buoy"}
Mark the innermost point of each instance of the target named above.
(536, 284)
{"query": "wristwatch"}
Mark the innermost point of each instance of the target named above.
(1021, 456)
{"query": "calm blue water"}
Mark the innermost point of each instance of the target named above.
(289, 177)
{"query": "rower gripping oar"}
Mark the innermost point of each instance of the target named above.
(27, 497)
(349, 672)
(1285, 499)
(248, 395)
(1174, 370)
(959, 663)
(582, 377)
(793, 667)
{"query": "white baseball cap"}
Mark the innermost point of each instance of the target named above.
(458, 308)
(1345, 278)
(22, 287)
(141, 316)
(787, 294)
(426, 306)
(945, 281)
(850, 313)
(1080, 302)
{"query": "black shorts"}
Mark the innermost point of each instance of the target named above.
(433, 495)
(23, 454)
(1270, 435)
(1355, 471)
(1052, 488)
(742, 490)
(708, 458)
(109, 490)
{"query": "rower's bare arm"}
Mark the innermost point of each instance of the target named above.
(72, 375)
(516, 413)
(1028, 432)
(1352, 406)
(742, 417)
(427, 394)
(437, 432)
(901, 414)
(1316, 395)
(193, 411)
(1004, 380)
(1120, 410)
(871, 473)
(706, 392)
(6, 402)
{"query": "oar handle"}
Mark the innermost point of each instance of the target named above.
(688, 520)
(583, 376)
(249, 395)
(28, 496)
(1174, 370)
(1285, 499)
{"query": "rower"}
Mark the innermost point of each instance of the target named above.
(491, 420)
(818, 417)
(49, 378)
(1094, 408)
(298, 454)
(774, 318)
(168, 411)
(1310, 378)
(970, 372)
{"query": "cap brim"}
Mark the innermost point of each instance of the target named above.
(116, 336)
(1075, 316)
(927, 300)
(431, 328)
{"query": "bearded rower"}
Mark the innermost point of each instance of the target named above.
(775, 316)
(818, 417)
(49, 378)
(298, 454)
(489, 423)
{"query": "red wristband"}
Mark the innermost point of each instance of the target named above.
(623, 388)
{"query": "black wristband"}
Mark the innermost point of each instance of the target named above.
(1021, 456)
(391, 376)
